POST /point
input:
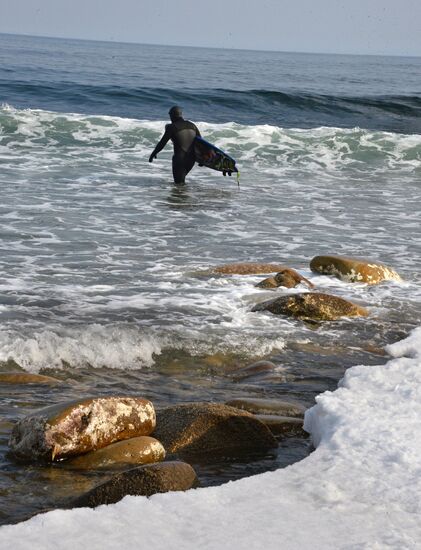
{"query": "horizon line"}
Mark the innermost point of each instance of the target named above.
(128, 42)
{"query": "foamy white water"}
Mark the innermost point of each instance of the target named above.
(96, 242)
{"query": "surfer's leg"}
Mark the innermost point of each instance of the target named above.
(178, 169)
(189, 162)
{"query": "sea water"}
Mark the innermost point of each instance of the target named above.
(102, 281)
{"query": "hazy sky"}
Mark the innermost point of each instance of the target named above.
(341, 26)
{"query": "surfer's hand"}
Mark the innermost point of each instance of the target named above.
(153, 156)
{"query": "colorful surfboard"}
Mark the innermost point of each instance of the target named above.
(210, 156)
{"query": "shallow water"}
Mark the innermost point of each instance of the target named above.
(102, 260)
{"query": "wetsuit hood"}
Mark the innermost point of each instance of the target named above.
(175, 112)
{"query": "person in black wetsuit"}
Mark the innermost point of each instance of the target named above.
(182, 133)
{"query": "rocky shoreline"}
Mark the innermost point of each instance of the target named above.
(142, 451)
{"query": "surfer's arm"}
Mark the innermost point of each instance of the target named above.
(162, 143)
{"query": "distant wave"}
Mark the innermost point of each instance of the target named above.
(399, 113)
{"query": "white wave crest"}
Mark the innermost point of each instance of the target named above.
(96, 345)
(315, 148)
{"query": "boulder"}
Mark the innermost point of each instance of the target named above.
(268, 406)
(287, 277)
(314, 306)
(145, 481)
(287, 426)
(76, 427)
(26, 378)
(353, 270)
(211, 429)
(137, 450)
(248, 268)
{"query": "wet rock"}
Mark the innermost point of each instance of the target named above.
(287, 426)
(144, 480)
(76, 427)
(353, 270)
(287, 277)
(26, 378)
(249, 268)
(220, 360)
(259, 367)
(268, 406)
(312, 306)
(137, 450)
(211, 429)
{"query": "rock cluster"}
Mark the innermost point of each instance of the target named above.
(109, 433)
(313, 306)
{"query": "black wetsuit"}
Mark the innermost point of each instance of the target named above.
(182, 133)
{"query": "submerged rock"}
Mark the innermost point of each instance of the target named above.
(26, 378)
(254, 369)
(312, 305)
(77, 427)
(137, 450)
(211, 429)
(287, 277)
(144, 480)
(248, 268)
(353, 270)
(283, 425)
(268, 406)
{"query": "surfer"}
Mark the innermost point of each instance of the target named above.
(182, 133)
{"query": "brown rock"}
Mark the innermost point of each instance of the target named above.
(353, 269)
(287, 277)
(287, 426)
(249, 268)
(312, 305)
(26, 378)
(137, 450)
(268, 406)
(144, 480)
(211, 429)
(77, 427)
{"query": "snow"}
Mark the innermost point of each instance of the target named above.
(360, 489)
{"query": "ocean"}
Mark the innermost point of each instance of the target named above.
(102, 281)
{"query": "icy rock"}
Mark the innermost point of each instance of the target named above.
(211, 429)
(287, 277)
(76, 427)
(143, 481)
(137, 450)
(314, 306)
(268, 406)
(353, 270)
